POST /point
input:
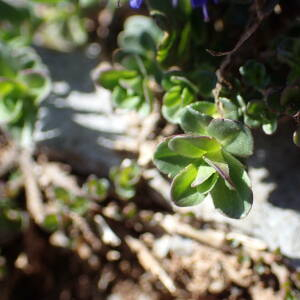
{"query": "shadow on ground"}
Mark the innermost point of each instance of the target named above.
(281, 158)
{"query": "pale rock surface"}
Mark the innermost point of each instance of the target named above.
(77, 124)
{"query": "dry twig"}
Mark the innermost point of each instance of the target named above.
(149, 262)
(34, 200)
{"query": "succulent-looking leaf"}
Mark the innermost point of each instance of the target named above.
(217, 161)
(168, 161)
(110, 78)
(270, 128)
(193, 146)
(196, 117)
(207, 186)
(181, 191)
(229, 109)
(184, 82)
(204, 172)
(6, 86)
(296, 137)
(37, 82)
(254, 74)
(235, 137)
(233, 203)
(140, 35)
(174, 101)
(51, 222)
(257, 110)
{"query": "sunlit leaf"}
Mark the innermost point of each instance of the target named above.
(196, 117)
(207, 186)
(235, 137)
(181, 191)
(204, 172)
(168, 161)
(193, 146)
(233, 203)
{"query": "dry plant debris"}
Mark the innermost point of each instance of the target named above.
(127, 249)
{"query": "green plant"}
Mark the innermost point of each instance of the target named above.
(215, 102)
(125, 178)
(23, 84)
(203, 161)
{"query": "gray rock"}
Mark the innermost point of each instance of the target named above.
(76, 123)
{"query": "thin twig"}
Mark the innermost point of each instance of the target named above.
(149, 262)
(34, 200)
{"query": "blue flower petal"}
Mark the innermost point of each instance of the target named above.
(135, 3)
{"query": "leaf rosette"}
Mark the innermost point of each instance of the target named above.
(203, 162)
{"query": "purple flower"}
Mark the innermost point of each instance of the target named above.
(135, 3)
(203, 5)
(195, 3)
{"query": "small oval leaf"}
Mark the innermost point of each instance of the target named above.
(193, 146)
(168, 161)
(204, 172)
(181, 191)
(208, 185)
(234, 136)
(196, 117)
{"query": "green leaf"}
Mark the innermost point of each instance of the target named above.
(235, 137)
(121, 99)
(196, 117)
(6, 86)
(166, 45)
(255, 74)
(51, 222)
(256, 110)
(271, 127)
(110, 78)
(127, 192)
(216, 160)
(229, 109)
(125, 178)
(133, 85)
(97, 188)
(252, 123)
(204, 172)
(140, 35)
(207, 186)
(296, 137)
(168, 161)
(233, 203)
(174, 101)
(79, 205)
(181, 191)
(183, 82)
(62, 195)
(37, 83)
(10, 109)
(193, 146)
